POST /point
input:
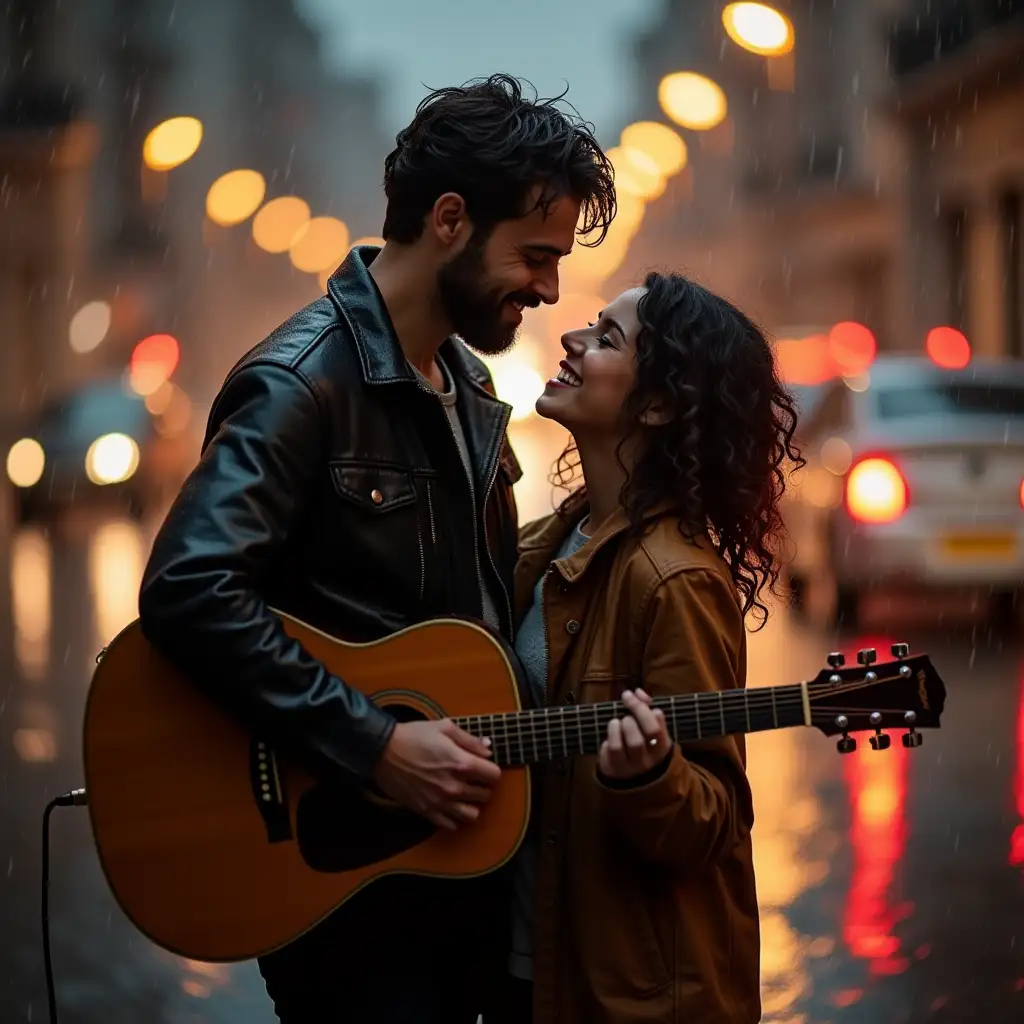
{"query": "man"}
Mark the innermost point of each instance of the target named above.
(355, 474)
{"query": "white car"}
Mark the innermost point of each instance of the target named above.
(914, 475)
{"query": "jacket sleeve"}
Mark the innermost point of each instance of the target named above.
(700, 806)
(200, 603)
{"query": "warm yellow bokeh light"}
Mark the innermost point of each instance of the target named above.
(89, 326)
(111, 459)
(235, 197)
(518, 382)
(574, 310)
(629, 213)
(759, 28)
(280, 224)
(692, 100)
(172, 142)
(636, 173)
(663, 146)
(323, 244)
(25, 462)
(369, 240)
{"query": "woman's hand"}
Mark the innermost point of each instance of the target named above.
(636, 743)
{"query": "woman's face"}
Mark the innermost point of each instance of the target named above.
(588, 394)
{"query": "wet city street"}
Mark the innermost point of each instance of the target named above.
(891, 883)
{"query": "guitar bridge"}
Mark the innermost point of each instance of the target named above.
(268, 791)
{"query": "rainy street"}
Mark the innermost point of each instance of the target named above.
(891, 883)
(717, 233)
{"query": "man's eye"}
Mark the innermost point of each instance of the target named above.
(606, 341)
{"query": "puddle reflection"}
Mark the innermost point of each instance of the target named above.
(1017, 838)
(31, 561)
(877, 782)
(116, 563)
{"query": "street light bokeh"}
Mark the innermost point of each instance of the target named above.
(759, 28)
(321, 245)
(691, 100)
(25, 462)
(280, 224)
(235, 197)
(663, 146)
(636, 173)
(172, 142)
(89, 326)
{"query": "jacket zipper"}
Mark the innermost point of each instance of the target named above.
(430, 511)
(473, 506)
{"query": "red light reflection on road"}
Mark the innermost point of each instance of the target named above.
(877, 783)
(1017, 839)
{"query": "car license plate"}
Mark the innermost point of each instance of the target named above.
(980, 546)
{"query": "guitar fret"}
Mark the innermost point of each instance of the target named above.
(565, 742)
(775, 713)
(721, 710)
(696, 714)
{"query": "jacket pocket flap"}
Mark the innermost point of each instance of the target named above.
(373, 487)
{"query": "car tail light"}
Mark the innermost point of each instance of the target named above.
(875, 491)
(1021, 494)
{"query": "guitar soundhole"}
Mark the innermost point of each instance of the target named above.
(340, 829)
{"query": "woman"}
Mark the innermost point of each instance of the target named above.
(635, 896)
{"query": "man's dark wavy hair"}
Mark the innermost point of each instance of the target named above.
(722, 459)
(490, 144)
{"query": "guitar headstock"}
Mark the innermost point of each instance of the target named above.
(903, 693)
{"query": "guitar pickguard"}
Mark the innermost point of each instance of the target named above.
(339, 830)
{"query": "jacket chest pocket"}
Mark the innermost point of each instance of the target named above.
(383, 518)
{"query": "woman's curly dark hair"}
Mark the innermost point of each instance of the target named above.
(721, 459)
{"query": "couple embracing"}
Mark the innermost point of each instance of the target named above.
(356, 474)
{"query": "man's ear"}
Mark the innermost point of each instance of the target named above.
(449, 221)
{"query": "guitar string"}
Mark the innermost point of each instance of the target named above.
(754, 700)
(522, 729)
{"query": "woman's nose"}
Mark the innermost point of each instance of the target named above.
(572, 342)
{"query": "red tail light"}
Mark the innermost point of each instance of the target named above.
(875, 491)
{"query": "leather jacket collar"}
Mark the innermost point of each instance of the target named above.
(355, 294)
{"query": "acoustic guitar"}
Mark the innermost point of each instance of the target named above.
(218, 848)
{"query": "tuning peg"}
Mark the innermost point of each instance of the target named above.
(900, 650)
(847, 745)
(912, 738)
(866, 655)
(879, 741)
(836, 660)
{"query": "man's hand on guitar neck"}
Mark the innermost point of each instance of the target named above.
(438, 770)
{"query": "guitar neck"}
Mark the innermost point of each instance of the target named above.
(546, 734)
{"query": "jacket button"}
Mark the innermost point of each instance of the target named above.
(570, 698)
(572, 626)
(376, 497)
(552, 839)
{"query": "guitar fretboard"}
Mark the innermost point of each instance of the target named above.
(545, 734)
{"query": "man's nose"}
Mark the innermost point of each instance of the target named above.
(546, 287)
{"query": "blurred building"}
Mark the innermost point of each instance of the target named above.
(872, 174)
(82, 218)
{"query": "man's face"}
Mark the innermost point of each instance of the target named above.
(484, 288)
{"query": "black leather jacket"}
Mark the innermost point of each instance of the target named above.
(330, 487)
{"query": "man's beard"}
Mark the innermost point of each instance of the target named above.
(474, 309)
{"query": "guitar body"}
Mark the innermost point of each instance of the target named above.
(219, 849)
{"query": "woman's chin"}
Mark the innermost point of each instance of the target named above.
(547, 407)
